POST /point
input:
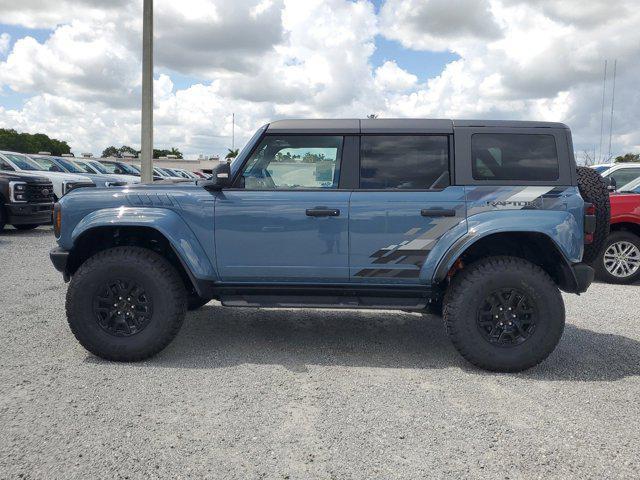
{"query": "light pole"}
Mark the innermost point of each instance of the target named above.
(147, 92)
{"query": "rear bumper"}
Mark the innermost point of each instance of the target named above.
(29, 213)
(583, 275)
(60, 259)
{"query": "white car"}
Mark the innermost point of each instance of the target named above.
(94, 166)
(62, 182)
(622, 173)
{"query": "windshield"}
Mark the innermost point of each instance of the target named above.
(84, 167)
(47, 164)
(246, 150)
(22, 162)
(71, 166)
(98, 166)
(631, 187)
(600, 168)
(135, 170)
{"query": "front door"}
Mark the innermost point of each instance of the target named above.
(403, 206)
(285, 220)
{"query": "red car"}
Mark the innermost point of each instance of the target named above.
(619, 261)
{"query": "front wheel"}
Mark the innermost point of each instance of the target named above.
(619, 261)
(504, 314)
(126, 304)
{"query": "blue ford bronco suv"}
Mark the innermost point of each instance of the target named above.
(483, 222)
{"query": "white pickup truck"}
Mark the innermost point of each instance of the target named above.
(62, 182)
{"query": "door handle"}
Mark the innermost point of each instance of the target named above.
(438, 212)
(323, 212)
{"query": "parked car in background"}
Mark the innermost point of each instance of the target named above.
(67, 165)
(93, 166)
(26, 200)
(62, 182)
(380, 215)
(619, 261)
(116, 167)
(619, 174)
(186, 173)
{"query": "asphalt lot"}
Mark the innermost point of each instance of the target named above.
(308, 394)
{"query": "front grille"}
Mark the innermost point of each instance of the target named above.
(39, 192)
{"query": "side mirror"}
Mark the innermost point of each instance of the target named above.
(611, 184)
(221, 177)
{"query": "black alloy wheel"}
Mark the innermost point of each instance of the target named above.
(122, 307)
(507, 317)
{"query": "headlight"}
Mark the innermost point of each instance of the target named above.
(18, 192)
(68, 186)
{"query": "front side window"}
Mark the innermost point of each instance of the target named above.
(290, 162)
(509, 156)
(414, 162)
(4, 165)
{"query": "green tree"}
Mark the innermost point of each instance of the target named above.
(628, 158)
(157, 153)
(31, 143)
(110, 152)
(231, 154)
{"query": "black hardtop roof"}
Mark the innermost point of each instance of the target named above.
(395, 125)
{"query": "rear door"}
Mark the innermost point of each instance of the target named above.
(403, 205)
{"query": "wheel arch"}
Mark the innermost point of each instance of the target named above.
(626, 226)
(536, 247)
(102, 237)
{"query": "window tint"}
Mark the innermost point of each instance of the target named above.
(404, 162)
(294, 162)
(508, 156)
(624, 176)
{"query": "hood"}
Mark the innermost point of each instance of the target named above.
(63, 176)
(24, 176)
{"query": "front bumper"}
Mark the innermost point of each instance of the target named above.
(583, 275)
(60, 259)
(29, 213)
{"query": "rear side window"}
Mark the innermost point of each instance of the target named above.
(413, 162)
(512, 156)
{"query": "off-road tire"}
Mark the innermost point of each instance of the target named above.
(195, 301)
(467, 292)
(601, 271)
(155, 274)
(593, 189)
(29, 226)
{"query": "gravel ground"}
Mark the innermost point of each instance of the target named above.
(305, 394)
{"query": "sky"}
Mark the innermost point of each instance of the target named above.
(71, 68)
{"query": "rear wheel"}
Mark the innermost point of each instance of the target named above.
(619, 261)
(593, 189)
(126, 304)
(504, 314)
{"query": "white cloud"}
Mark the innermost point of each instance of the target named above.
(390, 77)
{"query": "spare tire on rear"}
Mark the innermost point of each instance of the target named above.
(593, 189)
